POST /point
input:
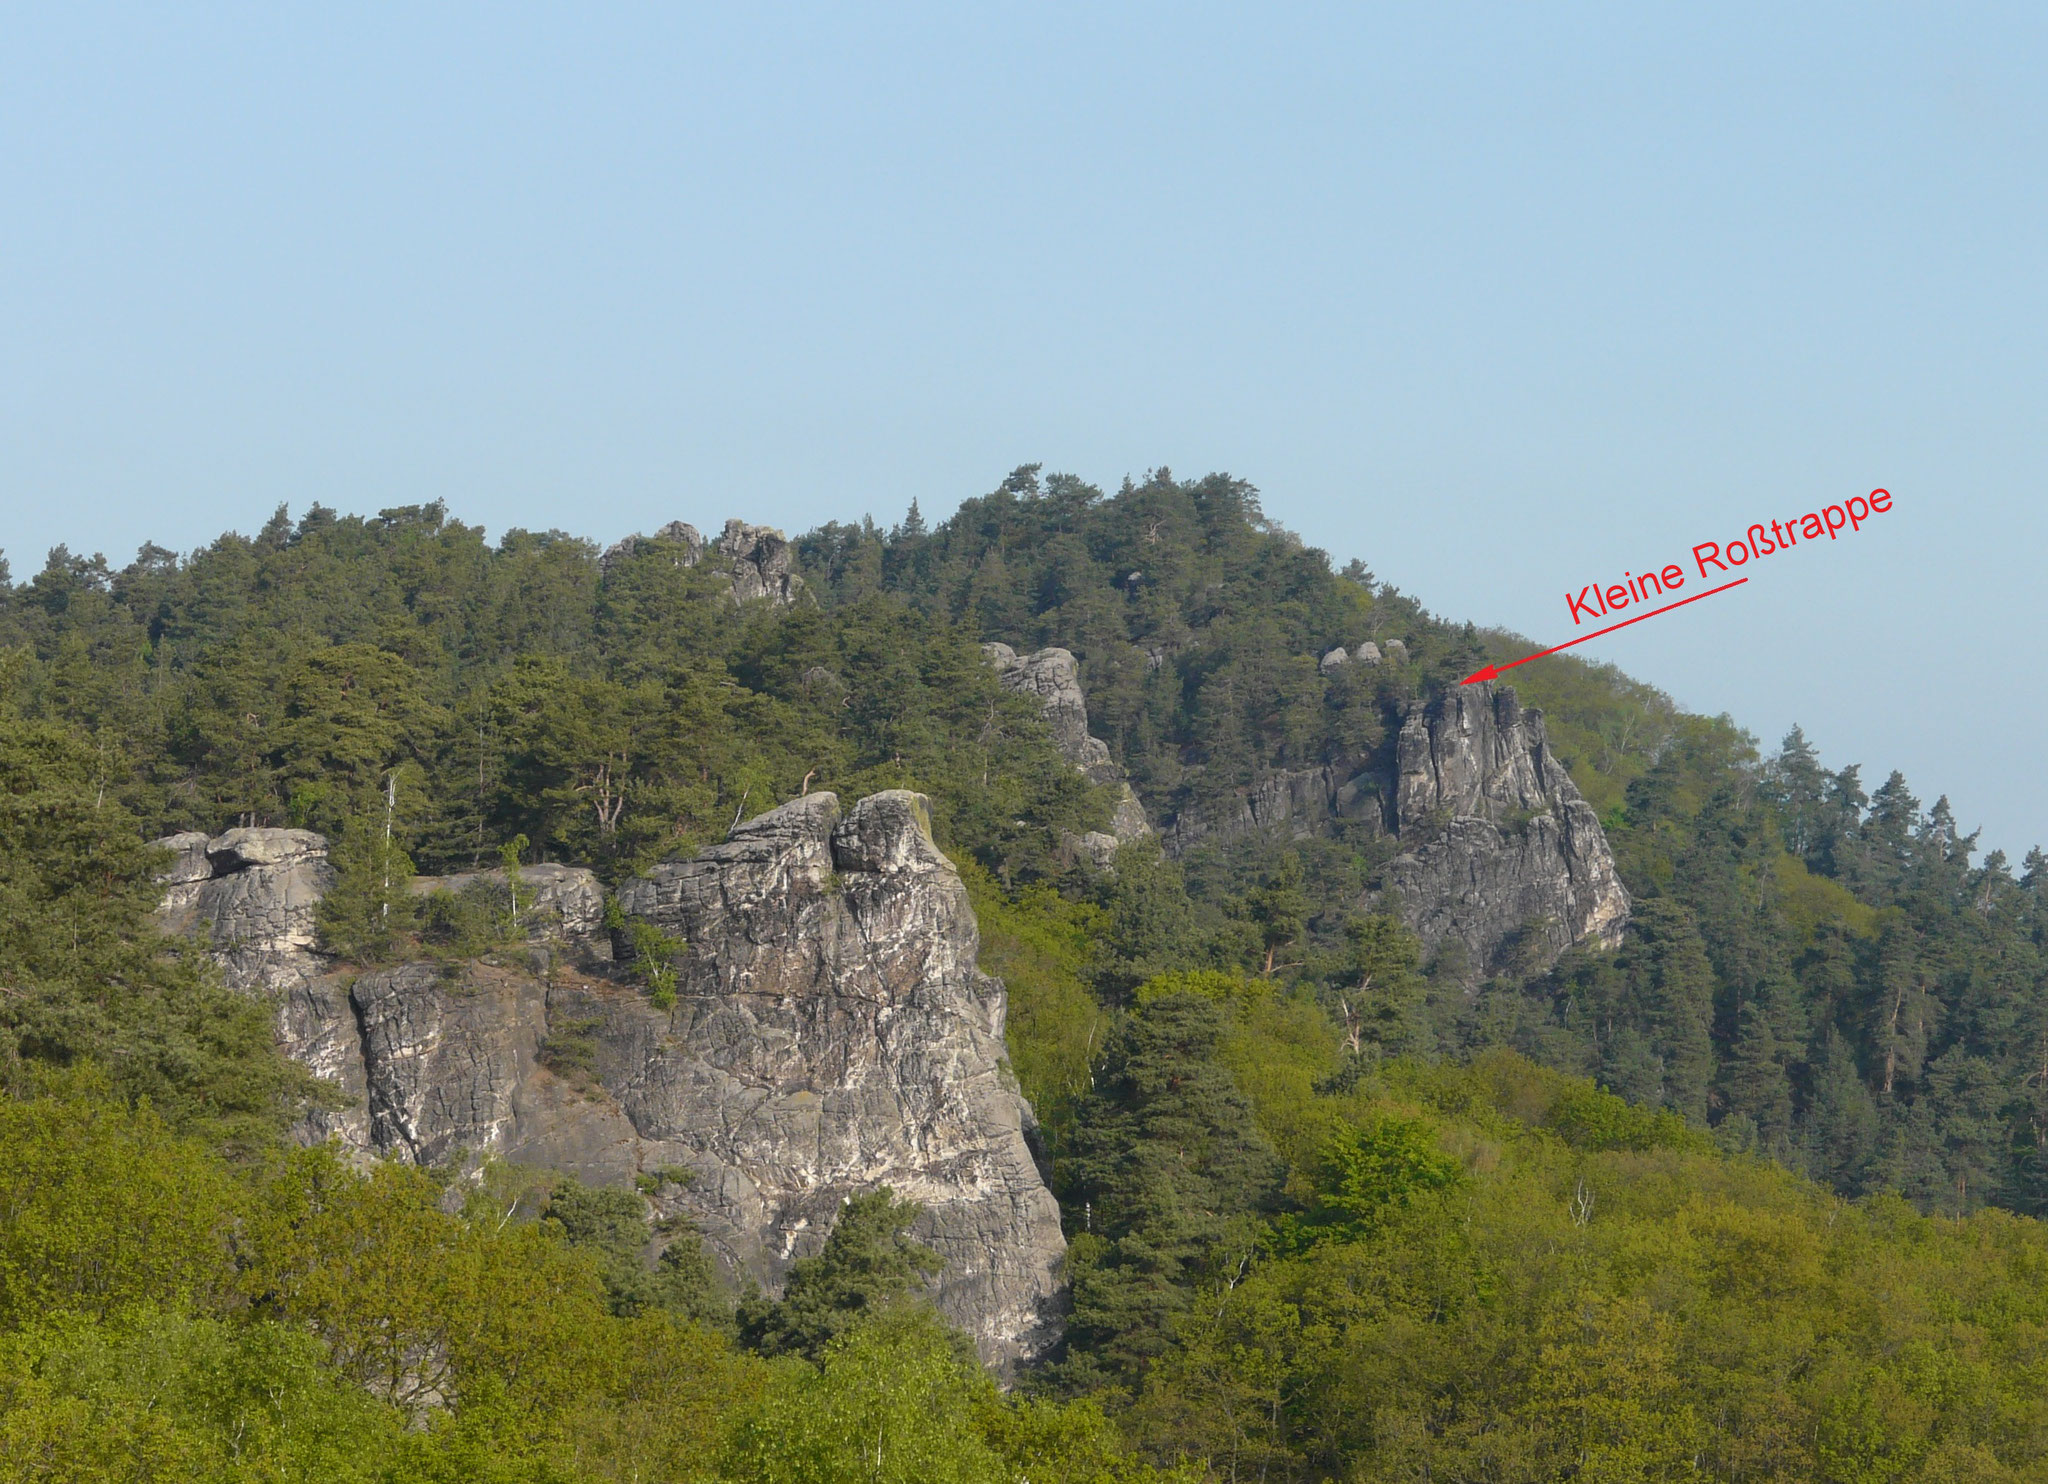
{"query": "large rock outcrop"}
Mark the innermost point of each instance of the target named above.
(837, 1036)
(762, 566)
(830, 1034)
(1504, 855)
(1496, 849)
(253, 896)
(1053, 676)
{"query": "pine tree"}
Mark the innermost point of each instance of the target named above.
(1166, 1176)
(869, 1269)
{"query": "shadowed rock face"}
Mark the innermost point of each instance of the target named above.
(1505, 848)
(831, 1035)
(1497, 848)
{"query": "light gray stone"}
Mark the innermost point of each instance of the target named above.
(1503, 843)
(1054, 677)
(256, 908)
(762, 566)
(831, 1034)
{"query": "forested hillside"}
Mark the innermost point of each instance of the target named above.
(1737, 1198)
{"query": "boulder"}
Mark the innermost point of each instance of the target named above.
(1334, 661)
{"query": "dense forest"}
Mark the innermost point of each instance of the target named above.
(1751, 1196)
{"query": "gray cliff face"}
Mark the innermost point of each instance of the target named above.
(1497, 849)
(1504, 845)
(1054, 677)
(831, 1034)
(252, 895)
(842, 1038)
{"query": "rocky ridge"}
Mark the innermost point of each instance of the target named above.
(830, 1034)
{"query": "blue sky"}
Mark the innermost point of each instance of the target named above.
(1500, 300)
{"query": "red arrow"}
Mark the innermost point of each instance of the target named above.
(1490, 671)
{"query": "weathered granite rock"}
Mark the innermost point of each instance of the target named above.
(1334, 661)
(1496, 844)
(1053, 676)
(761, 563)
(1367, 653)
(1503, 844)
(1098, 848)
(831, 1035)
(1397, 651)
(255, 905)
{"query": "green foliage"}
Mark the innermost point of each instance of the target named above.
(880, 1407)
(1163, 1182)
(371, 902)
(614, 1227)
(85, 975)
(1366, 1172)
(469, 922)
(1041, 944)
(870, 1268)
(651, 957)
(1322, 1223)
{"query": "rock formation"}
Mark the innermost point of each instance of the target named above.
(1054, 677)
(756, 559)
(1496, 845)
(831, 1034)
(686, 537)
(839, 1037)
(761, 563)
(1503, 845)
(252, 895)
